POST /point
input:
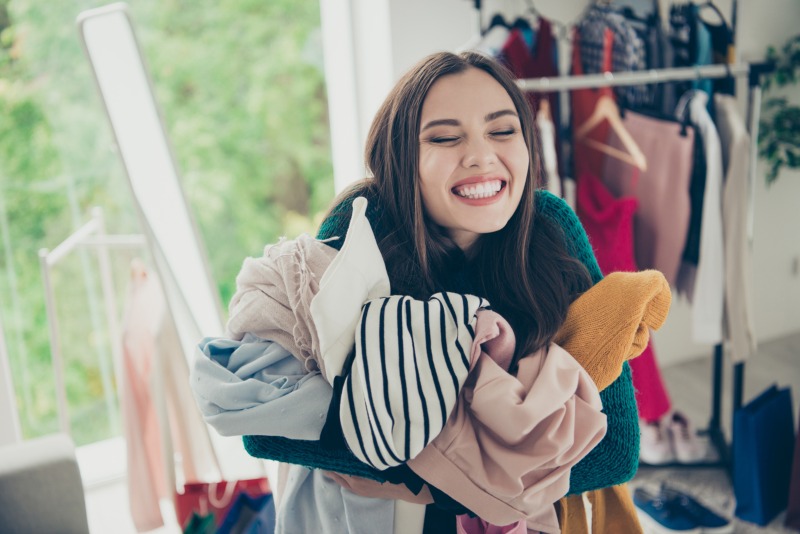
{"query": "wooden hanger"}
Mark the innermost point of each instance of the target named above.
(607, 110)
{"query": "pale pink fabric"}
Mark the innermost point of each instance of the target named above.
(274, 294)
(494, 336)
(475, 525)
(508, 448)
(147, 481)
(159, 413)
(662, 220)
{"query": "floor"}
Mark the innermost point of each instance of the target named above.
(689, 385)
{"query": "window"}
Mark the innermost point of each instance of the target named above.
(241, 88)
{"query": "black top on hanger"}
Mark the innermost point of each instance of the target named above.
(521, 23)
(498, 20)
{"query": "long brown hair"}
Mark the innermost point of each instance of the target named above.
(523, 269)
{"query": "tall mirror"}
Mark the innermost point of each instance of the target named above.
(122, 78)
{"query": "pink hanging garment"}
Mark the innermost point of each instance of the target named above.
(159, 413)
(147, 481)
(662, 219)
(609, 224)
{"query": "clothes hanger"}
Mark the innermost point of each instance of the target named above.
(606, 109)
(493, 37)
(715, 9)
(498, 20)
(560, 30)
(522, 23)
(631, 15)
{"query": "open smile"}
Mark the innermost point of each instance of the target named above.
(482, 192)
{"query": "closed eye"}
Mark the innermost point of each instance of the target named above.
(504, 133)
(441, 140)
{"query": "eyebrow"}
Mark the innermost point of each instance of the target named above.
(453, 122)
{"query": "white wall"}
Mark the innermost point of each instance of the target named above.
(420, 27)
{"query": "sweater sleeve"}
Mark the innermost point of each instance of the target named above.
(616, 458)
(577, 242)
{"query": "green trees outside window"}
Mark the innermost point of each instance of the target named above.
(241, 88)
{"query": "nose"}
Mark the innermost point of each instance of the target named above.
(478, 153)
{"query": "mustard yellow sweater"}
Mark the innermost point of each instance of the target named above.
(610, 323)
(606, 326)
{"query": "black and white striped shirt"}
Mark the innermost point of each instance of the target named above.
(412, 358)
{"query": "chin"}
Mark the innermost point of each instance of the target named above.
(489, 228)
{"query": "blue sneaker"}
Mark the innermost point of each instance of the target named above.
(660, 516)
(709, 521)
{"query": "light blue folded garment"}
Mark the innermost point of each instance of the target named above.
(257, 387)
(312, 502)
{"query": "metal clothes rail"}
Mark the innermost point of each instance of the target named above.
(92, 234)
(609, 79)
(753, 71)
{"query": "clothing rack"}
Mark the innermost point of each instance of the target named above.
(91, 235)
(753, 71)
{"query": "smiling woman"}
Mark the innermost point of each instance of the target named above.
(454, 127)
(454, 207)
(425, 386)
(473, 165)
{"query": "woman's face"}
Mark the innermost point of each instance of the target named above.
(473, 160)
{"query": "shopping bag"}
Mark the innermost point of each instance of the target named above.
(199, 524)
(793, 511)
(215, 498)
(763, 438)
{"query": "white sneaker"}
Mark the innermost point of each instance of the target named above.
(686, 445)
(656, 446)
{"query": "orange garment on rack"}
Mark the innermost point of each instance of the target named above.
(586, 159)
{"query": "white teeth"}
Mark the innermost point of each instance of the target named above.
(481, 190)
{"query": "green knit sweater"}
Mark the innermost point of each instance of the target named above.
(614, 460)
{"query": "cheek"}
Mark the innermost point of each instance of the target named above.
(434, 170)
(519, 160)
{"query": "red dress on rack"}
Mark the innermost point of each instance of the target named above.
(609, 224)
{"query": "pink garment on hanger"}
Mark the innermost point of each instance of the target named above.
(662, 219)
(147, 481)
(609, 224)
(160, 416)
